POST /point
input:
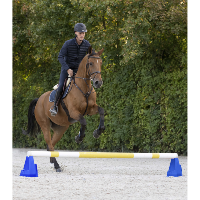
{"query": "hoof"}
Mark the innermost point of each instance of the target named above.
(58, 170)
(95, 134)
(98, 132)
(78, 140)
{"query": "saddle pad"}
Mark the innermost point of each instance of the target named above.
(53, 93)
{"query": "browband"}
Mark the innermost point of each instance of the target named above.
(94, 57)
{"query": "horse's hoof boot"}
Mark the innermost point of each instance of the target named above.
(95, 134)
(77, 139)
(58, 170)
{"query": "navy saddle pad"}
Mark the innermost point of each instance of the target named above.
(53, 94)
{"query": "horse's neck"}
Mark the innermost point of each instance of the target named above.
(81, 73)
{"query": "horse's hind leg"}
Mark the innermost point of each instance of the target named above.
(54, 161)
(58, 133)
(45, 126)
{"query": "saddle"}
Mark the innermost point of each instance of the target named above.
(65, 91)
(68, 81)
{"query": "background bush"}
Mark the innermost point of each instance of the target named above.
(144, 70)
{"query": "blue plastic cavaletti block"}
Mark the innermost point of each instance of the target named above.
(174, 168)
(30, 169)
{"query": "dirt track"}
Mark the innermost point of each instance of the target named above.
(87, 179)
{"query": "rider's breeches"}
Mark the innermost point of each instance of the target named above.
(63, 76)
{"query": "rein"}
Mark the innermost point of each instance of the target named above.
(87, 94)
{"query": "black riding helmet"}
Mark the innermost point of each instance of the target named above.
(80, 27)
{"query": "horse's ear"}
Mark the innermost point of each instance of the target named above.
(90, 49)
(100, 52)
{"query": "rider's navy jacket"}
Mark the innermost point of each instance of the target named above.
(71, 54)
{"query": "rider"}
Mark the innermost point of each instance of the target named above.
(70, 56)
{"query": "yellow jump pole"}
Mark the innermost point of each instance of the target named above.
(100, 154)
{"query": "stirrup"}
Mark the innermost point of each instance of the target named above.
(54, 111)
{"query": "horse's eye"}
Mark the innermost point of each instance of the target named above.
(90, 63)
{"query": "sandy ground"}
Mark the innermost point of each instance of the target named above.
(88, 179)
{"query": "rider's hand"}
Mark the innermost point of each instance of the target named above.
(70, 72)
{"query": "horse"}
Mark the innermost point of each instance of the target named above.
(80, 101)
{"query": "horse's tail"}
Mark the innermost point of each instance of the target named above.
(33, 126)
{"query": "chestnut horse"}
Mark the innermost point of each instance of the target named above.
(80, 101)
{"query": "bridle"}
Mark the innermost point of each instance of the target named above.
(87, 94)
(88, 68)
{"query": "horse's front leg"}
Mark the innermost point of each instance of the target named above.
(101, 127)
(81, 135)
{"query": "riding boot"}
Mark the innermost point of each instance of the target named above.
(54, 110)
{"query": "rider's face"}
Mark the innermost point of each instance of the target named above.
(80, 35)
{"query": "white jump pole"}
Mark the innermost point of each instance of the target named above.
(100, 154)
(30, 169)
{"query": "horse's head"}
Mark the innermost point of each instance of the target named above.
(94, 63)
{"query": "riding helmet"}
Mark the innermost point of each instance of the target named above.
(80, 27)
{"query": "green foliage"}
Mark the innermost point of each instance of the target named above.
(144, 70)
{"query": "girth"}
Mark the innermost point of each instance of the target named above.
(71, 120)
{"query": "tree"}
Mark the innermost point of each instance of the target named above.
(144, 69)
